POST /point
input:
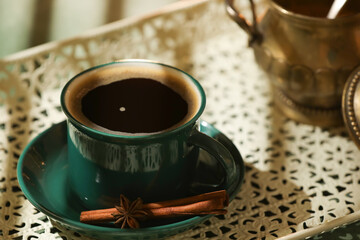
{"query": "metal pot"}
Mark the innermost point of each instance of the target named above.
(308, 59)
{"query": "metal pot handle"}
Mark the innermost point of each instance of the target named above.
(250, 29)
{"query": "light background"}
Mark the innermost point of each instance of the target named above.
(27, 23)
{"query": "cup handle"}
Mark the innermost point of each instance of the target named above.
(251, 30)
(219, 152)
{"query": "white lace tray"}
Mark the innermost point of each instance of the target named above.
(300, 179)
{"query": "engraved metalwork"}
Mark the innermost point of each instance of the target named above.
(351, 108)
(307, 59)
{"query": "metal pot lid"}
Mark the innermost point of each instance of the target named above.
(351, 105)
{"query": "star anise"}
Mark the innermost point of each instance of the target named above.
(129, 213)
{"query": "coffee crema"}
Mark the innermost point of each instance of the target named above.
(132, 100)
(319, 8)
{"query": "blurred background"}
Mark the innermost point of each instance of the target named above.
(27, 23)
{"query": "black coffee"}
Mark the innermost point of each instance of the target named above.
(136, 105)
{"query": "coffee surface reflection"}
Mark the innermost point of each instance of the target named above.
(135, 105)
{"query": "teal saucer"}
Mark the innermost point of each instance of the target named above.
(42, 174)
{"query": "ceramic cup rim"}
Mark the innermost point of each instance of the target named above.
(146, 63)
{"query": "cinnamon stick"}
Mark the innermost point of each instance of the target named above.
(221, 194)
(207, 203)
(211, 206)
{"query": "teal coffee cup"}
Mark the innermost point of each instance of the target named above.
(133, 130)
